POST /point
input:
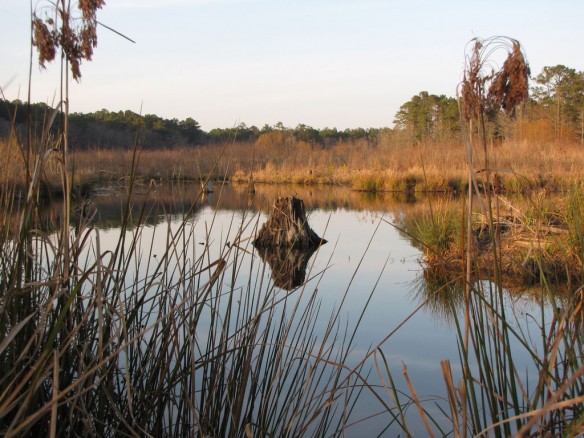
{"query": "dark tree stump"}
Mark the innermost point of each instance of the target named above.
(287, 227)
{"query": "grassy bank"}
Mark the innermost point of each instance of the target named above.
(433, 167)
(388, 167)
(534, 240)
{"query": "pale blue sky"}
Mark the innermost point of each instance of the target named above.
(325, 63)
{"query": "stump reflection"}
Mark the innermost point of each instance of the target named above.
(288, 265)
(287, 242)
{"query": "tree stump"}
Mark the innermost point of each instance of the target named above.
(288, 227)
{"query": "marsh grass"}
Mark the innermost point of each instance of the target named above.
(438, 231)
(536, 239)
(394, 168)
(138, 341)
(575, 220)
(495, 396)
(122, 338)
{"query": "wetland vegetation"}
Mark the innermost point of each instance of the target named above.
(168, 323)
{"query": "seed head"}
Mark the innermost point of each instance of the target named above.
(509, 86)
(44, 40)
(77, 37)
(484, 88)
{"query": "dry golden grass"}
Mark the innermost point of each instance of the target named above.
(11, 163)
(384, 167)
(432, 167)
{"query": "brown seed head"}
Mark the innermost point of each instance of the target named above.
(89, 7)
(472, 83)
(44, 40)
(510, 85)
(77, 37)
(484, 88)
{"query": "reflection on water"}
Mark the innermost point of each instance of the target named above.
(288, 265)
(153, 205)
(157, 205)
(364, 254)
(442, 292)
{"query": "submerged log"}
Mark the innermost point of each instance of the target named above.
(288, 227)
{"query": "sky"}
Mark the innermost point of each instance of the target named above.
(322, 63)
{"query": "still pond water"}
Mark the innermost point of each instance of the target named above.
(365, 253)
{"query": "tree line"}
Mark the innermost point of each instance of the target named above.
(114, 130)
(555, 111)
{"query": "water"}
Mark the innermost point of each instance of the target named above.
(368, 269)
